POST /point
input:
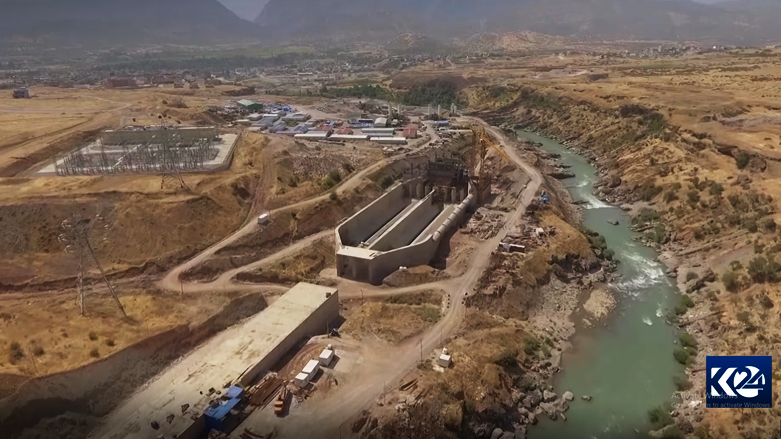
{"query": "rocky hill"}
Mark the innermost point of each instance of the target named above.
(107, 23)
(607, 19)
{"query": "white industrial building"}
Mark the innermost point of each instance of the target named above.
(313, 135)
(381, 122)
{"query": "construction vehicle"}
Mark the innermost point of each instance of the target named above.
(279, 404)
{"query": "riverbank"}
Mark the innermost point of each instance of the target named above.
(712, 223)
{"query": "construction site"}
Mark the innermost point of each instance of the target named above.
(405, 226)
(229, 325)
(219, 384)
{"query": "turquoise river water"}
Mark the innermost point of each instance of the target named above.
(627, 366)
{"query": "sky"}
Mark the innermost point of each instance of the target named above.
(250, 9)
(246, 9)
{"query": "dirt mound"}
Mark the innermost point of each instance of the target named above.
(414, 276)
(388, 322)
(303, 267)
(95, 389)
(286, 228)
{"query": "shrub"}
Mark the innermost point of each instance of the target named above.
(682, 382)
(716, 189)
(750, 224)
(684, 303)
(386, 182)
(530, 344)
(682, 356)
(335, 176)
(769, 225)
(669, 197)
(691, 276)
(38, 351)
(645, 216)
(762, 269)
(741, 160)
(673, 433)
(694, 196)
(15, 346)
(701, 432)
(333, 196)
(731, 280)
(110, 342)
(94, 353)
(660, 417)
(687, 340)
(507, 360)
(92, 336)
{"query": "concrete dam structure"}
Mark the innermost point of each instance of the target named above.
(402, 228)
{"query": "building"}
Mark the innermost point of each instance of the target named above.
(411, 133)
(380, 122)
(389, 140)
(121, 83)
(402, 228)
(249, 105)
(22, 93)
(239, 355)
(320, 135)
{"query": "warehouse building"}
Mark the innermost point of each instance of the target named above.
(182, 400)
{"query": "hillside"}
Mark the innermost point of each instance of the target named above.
(108, 23)
(608, 19)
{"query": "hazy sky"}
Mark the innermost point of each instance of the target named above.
(246, 9)
(249, 9)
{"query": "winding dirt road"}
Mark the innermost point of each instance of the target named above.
(392, 363)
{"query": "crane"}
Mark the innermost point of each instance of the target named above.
(483, 141)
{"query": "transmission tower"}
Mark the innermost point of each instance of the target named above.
(76, 237)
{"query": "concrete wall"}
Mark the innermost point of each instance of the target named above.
(319, 322)
(409, 226)
(371, 218)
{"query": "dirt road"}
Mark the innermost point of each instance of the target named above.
(171, 280)
(384, 369)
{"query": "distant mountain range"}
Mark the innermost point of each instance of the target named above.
(97, 23)
(437, 23)
(736, 22)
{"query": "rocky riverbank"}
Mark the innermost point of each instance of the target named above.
(715, 231)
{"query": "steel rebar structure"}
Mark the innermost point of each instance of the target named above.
(75, 236)
(166, 151)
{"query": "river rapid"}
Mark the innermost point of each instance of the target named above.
(627, 365)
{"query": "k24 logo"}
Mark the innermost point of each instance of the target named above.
(739, 382)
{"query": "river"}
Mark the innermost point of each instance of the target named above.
(627, 365)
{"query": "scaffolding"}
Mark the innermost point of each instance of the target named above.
(163, 151)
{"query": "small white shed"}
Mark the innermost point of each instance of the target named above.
(444, 359)
(311, 368)
(301, 380)
(326, 357)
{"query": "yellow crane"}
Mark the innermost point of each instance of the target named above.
(483, 141)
